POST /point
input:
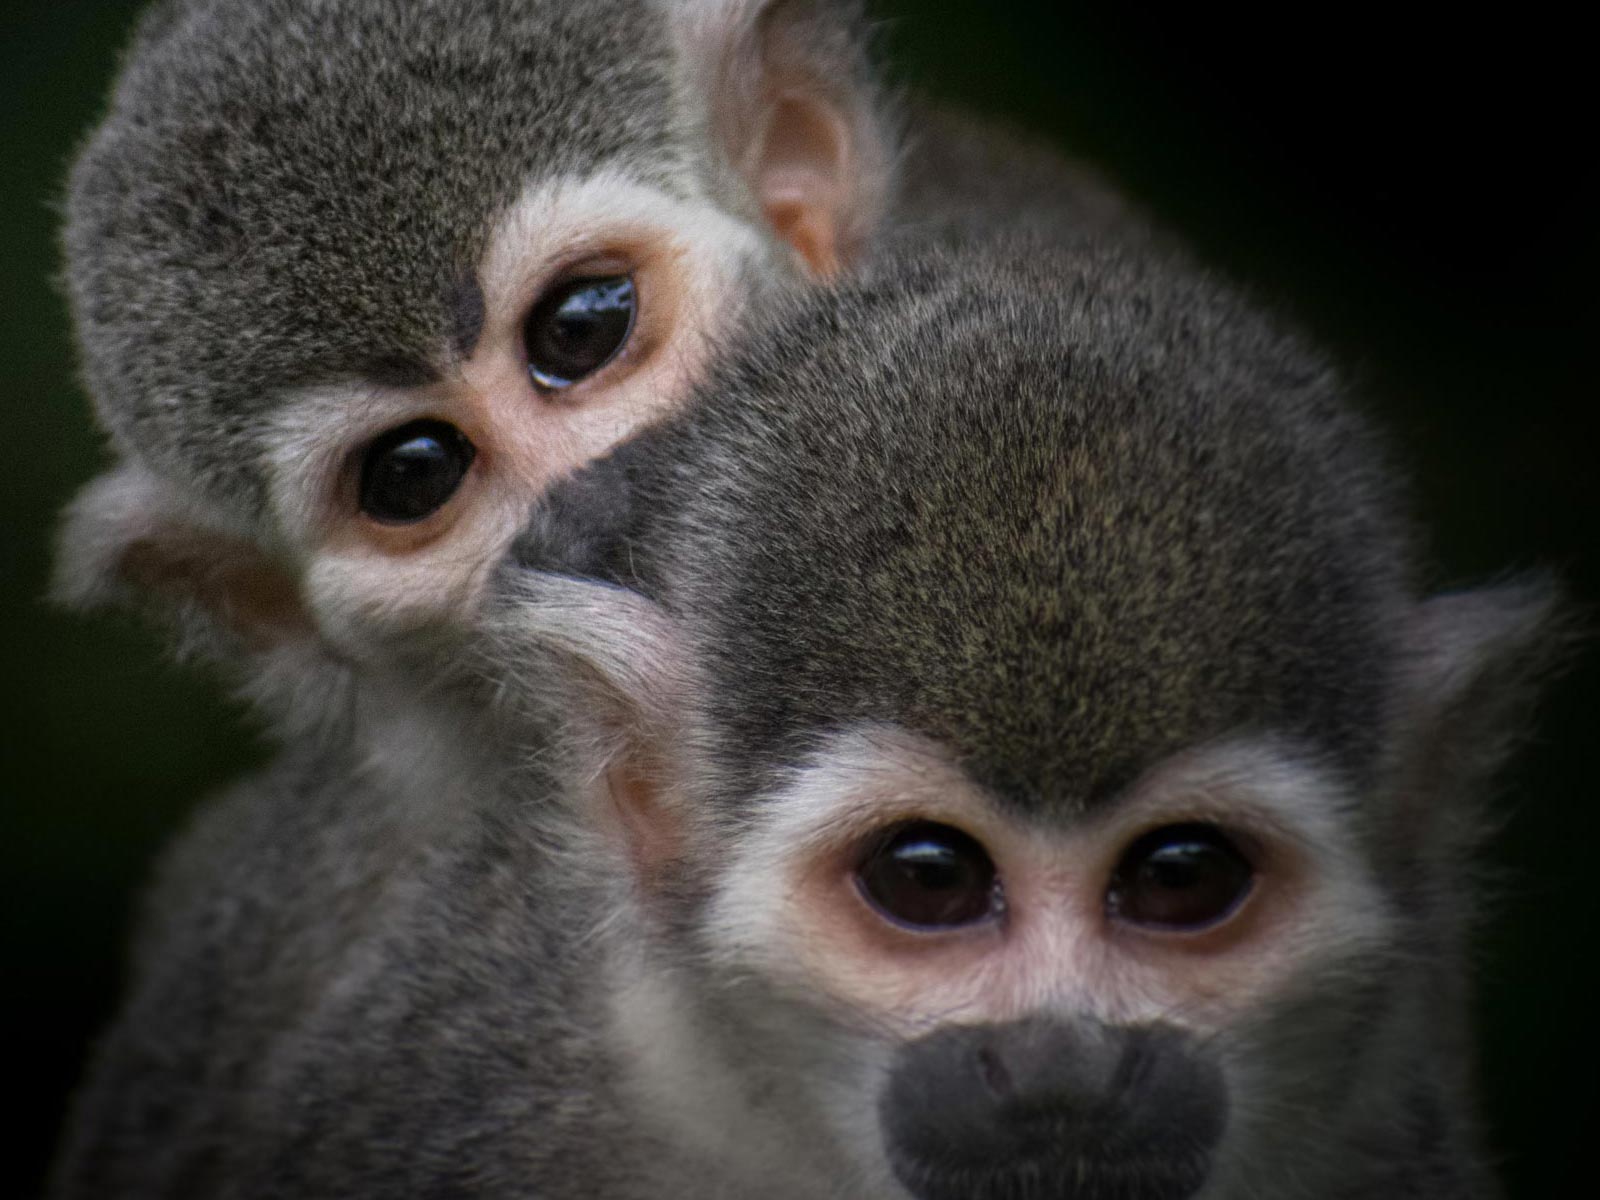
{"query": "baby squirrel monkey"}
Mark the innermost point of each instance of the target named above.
(354, 282)
(991, 745)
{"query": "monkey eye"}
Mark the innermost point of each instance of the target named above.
(578, 327)
(409, 472)
(929, 876)
(1180, 877)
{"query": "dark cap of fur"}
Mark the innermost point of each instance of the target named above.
(289, 191)
(1066, 509)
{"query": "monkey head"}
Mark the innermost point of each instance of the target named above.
(1036, 770)
(353, 283)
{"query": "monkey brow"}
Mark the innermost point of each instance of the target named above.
(465, 304)
(398, 370)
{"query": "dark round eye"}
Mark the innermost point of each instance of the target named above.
(410, 472)
(1182, 877)
(577, 327)
(930, 877)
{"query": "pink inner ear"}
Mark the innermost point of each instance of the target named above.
(804, 156)
(650, 831)
(227, 578)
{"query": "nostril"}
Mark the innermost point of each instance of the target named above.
(994, 1074)
(1134, 1066)
(1045, 1107)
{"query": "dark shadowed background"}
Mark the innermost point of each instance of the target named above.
(1423, 200)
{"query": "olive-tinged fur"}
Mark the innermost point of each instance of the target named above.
(287, 192)
(1066, 508)
(1062, 504)
(1069, 508)
(1099, 509)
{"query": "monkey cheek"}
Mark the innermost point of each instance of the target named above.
(1052, 1108)
(362, 602)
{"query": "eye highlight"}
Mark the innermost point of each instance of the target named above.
(929, 876)
(1183, 878)
(578, 327)
(409, 473)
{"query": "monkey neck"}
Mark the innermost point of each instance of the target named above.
(720, 1119)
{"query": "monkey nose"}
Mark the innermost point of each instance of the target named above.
(1048, 1108)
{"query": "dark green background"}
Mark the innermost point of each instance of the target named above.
(1422, 199)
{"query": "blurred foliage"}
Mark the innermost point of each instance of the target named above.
(1422, 200)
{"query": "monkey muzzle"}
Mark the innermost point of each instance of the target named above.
(1047, 1109)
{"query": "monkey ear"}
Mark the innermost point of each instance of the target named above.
(132, 541)
(604, 666)
(1474, 664)
(785, 89)
(617, 655)
(594, 655)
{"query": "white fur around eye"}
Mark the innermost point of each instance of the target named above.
(559, 221)
(694, 266)
(786, 909)
(1315, 905)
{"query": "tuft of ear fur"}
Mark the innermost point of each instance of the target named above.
(605, 652)
(786, 93)
(133, 542)
(604, 665)
(1478, 659)
(1475, 661)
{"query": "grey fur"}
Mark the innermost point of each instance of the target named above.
(291, 191)
(1053, 499)
(1065, 509)
(298, 192)
(1151, 401)
(286, 192)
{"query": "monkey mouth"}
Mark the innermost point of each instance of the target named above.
(1044, 1109)
(1080, 1171)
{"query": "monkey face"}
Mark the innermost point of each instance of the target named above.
(597, 302)
(1045, 1008)
(1005, 697)
(1158, 998)
(353, 284)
